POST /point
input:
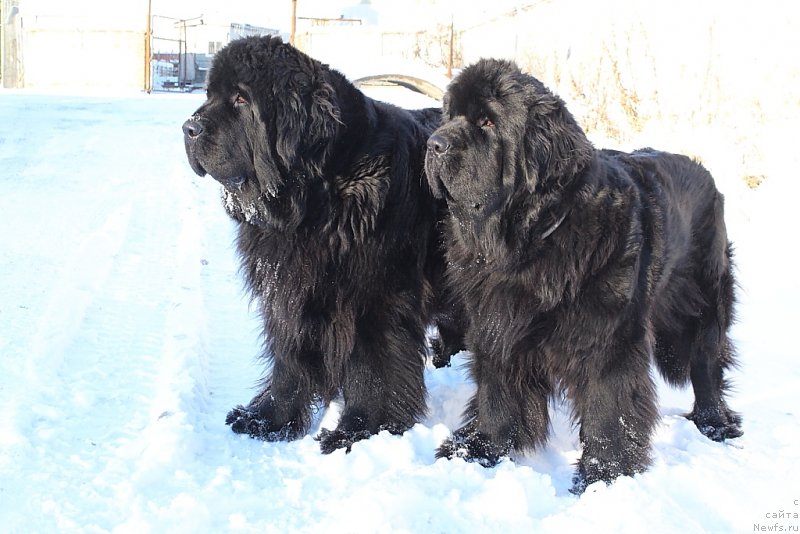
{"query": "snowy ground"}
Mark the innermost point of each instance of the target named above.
(125, 338)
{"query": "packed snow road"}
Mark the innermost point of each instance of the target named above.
(125, 337)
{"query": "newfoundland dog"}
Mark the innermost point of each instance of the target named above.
(577, 267)
(337, 232)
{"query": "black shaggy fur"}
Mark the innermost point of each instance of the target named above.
(577, 267)
(337, 236)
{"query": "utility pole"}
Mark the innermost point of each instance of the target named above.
(148, 37)
(450, 59)
(2, 44)
(294, 22)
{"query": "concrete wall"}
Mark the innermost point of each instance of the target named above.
(86, 58)
(81, 44)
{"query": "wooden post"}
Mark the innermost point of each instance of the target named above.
(294, 22)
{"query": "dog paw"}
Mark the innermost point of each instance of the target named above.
(245, 421)
(598, 472)
(440, 356)
(604, 461)
(331, 440)
(717, 426)
(583, 478)
(720, 432)
(472, 447)
(579, 482)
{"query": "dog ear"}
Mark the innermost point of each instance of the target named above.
(324, 120)
(307, 119)
(556, 147)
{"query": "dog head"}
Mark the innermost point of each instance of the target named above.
(269, 119)
(504, 134)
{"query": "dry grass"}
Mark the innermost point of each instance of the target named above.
(718, 79)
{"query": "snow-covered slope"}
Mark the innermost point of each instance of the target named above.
(125, 338)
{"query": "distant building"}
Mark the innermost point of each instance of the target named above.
(182, 49)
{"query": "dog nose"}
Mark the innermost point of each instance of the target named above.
(192, 128)
(438, 145)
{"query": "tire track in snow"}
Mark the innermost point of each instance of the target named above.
(118, 338)
(232, 328)
(89, 349)
(140, 338)
(205, 364)
(171, 315)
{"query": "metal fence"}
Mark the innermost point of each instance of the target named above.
(182, 50)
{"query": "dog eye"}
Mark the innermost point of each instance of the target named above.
(485, 122)
(240, 100)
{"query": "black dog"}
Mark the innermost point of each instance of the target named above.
(337, 234)
(577, 266)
